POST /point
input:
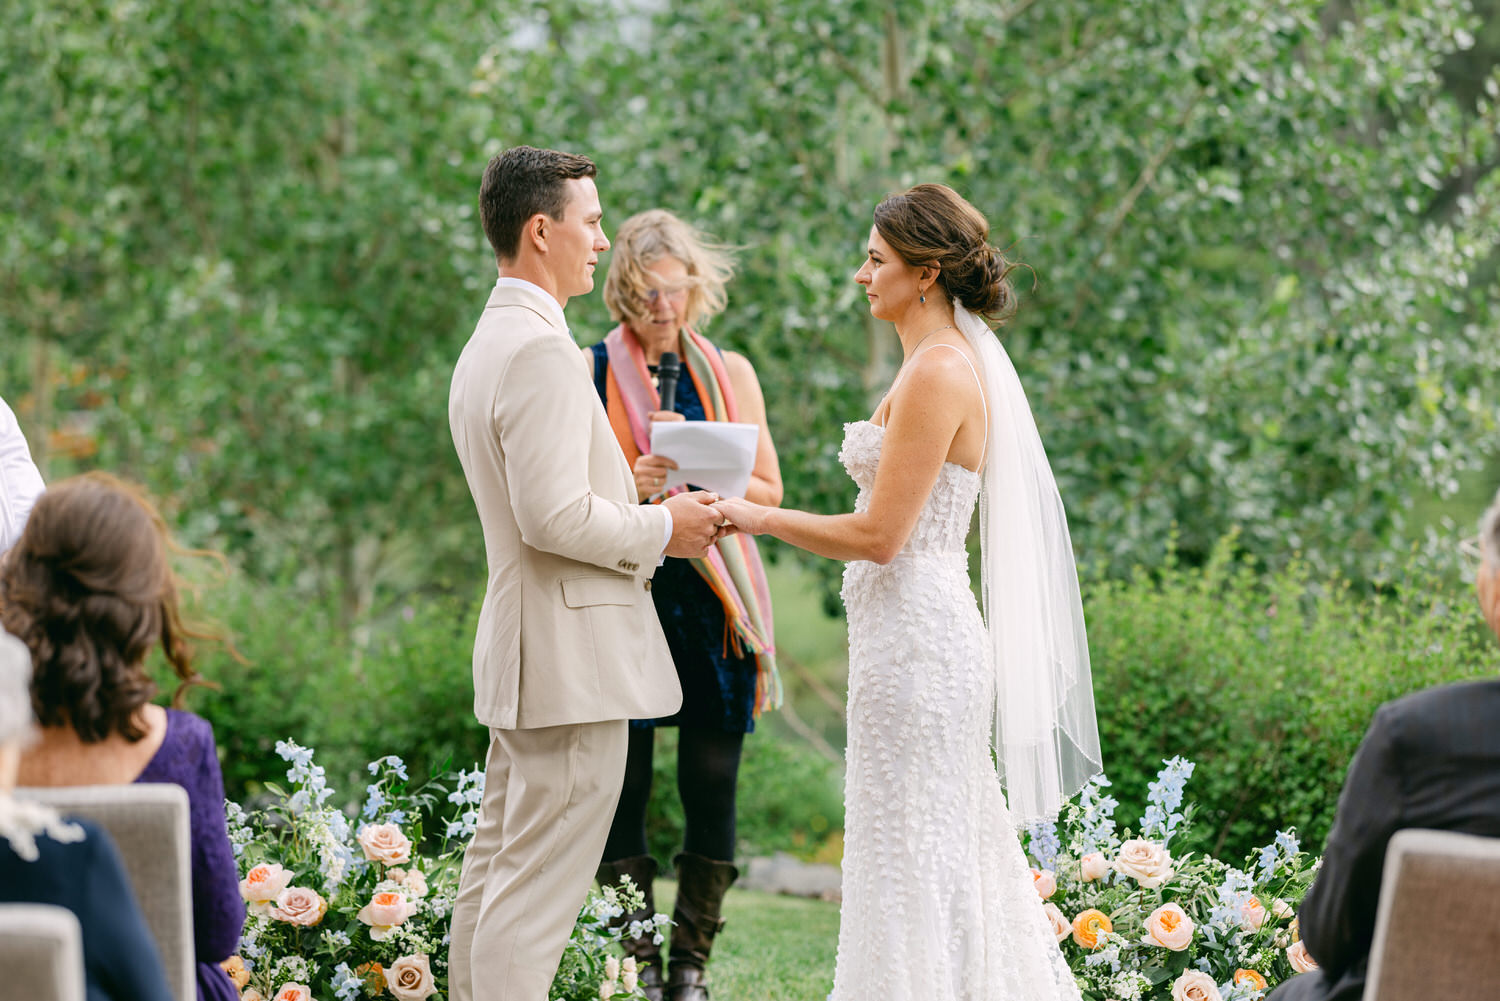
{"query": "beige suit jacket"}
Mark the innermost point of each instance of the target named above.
(567, 632)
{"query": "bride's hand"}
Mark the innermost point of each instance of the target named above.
(743, 515)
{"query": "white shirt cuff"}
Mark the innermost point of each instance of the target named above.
(666, 536)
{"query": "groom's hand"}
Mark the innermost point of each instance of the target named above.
(695, 523)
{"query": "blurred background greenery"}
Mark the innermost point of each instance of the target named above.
(239, 255)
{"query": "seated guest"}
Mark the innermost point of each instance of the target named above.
(20, 483)
(89, 590)
(47, 860)
(1430, 760)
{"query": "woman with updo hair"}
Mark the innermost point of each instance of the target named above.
(89, 589)
(939, 903)
(665, 280)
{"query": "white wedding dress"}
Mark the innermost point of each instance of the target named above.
(939, 903)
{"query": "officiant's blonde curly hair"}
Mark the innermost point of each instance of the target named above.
(648, 237)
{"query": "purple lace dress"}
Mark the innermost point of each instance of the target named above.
(187, 758)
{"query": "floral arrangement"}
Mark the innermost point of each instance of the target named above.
(341, 909)
(1137, 923)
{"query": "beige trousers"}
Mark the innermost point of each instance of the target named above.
(549, 797)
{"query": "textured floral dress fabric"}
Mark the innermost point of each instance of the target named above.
(939, 903)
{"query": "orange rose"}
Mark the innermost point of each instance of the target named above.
(384, 912)
(1169, 927)
(293, 992)
(1088, 926)
(373, 974)
(235, 967)
(1250, 978)
(263, 884)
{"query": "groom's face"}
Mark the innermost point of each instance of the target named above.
(575, 242)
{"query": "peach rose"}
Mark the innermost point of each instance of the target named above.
(1195, 985)
(416, 882)
(385, 843)
(1281, 910)
(1250, 978)
(251, 994)
(1169, 927)
(235, 967)
(293, 992)
(1296, 954)
(1253, 914)
(263, 884)
(410, 978)
(1045, 881)
(1148, 864)
(299, 906)
(1092, 866)
(384, 912)
(1059, 922)
(1088, 926)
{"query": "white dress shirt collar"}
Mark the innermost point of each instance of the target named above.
(541, 293)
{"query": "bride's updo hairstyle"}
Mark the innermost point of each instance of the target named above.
(89, 590)
(932, 225)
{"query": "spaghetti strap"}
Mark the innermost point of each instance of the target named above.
(984, 450)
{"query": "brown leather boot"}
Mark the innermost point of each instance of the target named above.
(642, 871)
(701, 885)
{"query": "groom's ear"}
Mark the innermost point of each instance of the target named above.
(535, 232)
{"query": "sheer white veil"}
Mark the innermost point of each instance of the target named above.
(1046, 736)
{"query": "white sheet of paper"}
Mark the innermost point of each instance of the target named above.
(714, 455)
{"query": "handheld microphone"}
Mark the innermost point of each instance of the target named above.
(667, 371)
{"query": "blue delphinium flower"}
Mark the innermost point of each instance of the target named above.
(1045, 844)
(1164, 796)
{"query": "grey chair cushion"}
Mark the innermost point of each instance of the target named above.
(41, 953)
(149, 825)
(1437, 931)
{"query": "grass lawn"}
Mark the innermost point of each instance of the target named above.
(773, 948)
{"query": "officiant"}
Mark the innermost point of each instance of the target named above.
(665, 279)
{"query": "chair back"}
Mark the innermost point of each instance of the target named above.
(41, 953)
(149, 823)
(1437, 929)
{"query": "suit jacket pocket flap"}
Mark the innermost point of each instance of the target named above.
(581, 591)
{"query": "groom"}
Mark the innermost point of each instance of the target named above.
(568, 646)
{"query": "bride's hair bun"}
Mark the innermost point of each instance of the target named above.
(932, 225)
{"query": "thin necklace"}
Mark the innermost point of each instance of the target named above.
(946, 326)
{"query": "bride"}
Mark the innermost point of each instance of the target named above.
(938, 898)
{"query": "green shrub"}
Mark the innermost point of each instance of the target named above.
(1267, 683)
(410, 692)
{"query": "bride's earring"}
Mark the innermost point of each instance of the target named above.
(922, 298)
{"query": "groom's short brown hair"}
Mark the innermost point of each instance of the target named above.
(518, 184)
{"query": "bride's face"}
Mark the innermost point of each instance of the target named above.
(890, 283)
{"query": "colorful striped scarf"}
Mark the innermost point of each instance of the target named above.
(732, 568)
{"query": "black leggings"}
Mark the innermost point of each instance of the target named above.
(708, 766)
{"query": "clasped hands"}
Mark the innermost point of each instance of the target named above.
(699, 518)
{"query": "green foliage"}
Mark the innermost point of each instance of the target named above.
(1268, 684)
(410, 691)
(238, 251)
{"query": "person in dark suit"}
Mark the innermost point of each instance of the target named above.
(45, 859)
(1430, 760)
